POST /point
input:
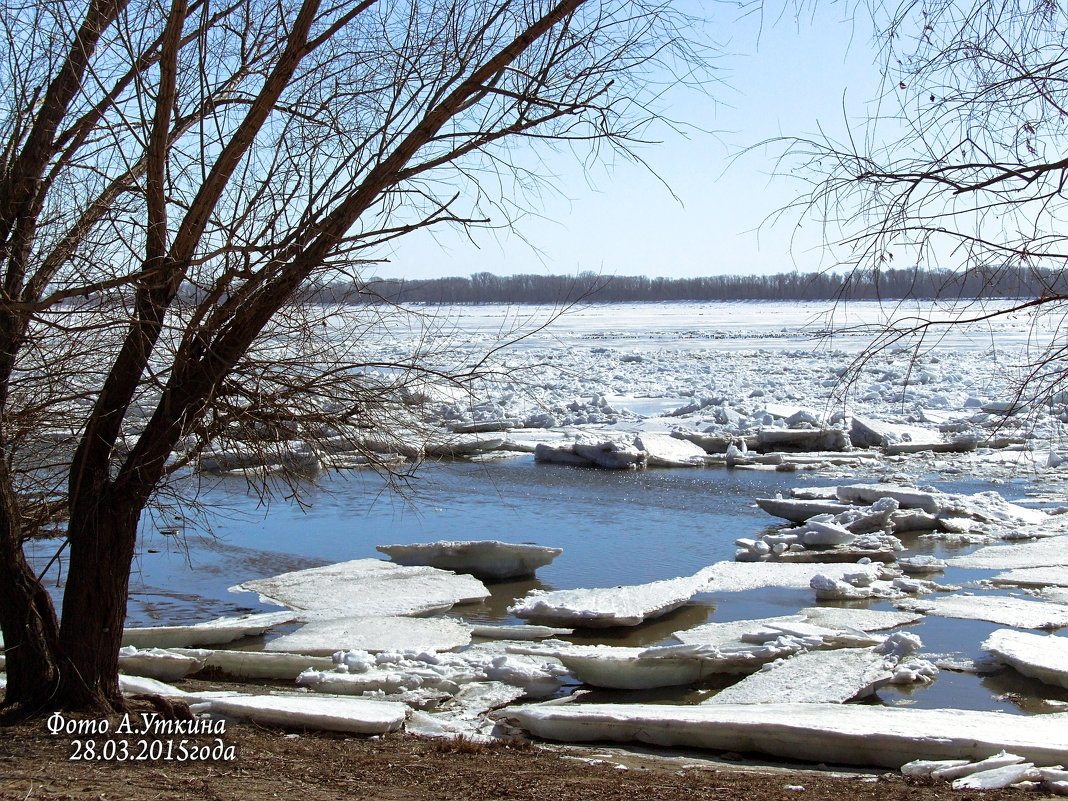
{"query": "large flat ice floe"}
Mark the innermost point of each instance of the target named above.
(353, 715)
(212, 632)
(1016, 612)
(1043, 553)
(1035, 577)
(832, 733)
(610, 606)
(742, 576)
(370, 587)
(1039, 656)
(257, 664)
(324, 637)
(488, 560)
(831, 677)
(828, 617)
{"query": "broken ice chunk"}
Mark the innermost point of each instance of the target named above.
(610, 606)
(1039, 656)
(488, 560)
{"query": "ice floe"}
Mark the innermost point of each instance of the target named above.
(503, 632)
(610, 606)
(1042, 657)
(157, 663)
(831, 733)
(256, 664)
(320, 637)
(1015, 612)
(353, 715)
(370, 587)
(488, 560)
(212, 632)
(1048, 577)
(828, 617)
(830, 676)
(731, 649)
(1050, 552)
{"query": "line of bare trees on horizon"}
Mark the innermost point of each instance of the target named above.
(589, 287)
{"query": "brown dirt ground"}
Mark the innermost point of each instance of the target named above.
(309, 766)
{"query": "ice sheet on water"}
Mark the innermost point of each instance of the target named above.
(367, 587)
(488, 560)
(835, 617)
(493, 632)
(212, 632)
(1049, 577)
(1015, 612)
(813, 677)
(610, 606)
(374, 634)
(1042, 657)
(833, 733)
(1049, 552)
(742, 576)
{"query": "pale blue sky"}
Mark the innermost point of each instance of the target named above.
(784, 76)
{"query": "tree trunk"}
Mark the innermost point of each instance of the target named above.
(31, 632)
(102, 542)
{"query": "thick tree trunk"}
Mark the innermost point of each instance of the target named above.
(31, 633)
(102, 542)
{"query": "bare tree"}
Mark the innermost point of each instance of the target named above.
(175, 176)
(962, 168)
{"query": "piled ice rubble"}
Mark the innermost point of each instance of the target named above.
(434, 677)
(488, 560)
(1000, 770)
(738, 648)
(610, 606)
(872, 581)
(846, 523)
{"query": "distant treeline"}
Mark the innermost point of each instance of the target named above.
(1015, 282)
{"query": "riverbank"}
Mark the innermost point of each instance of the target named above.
(312, 766)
